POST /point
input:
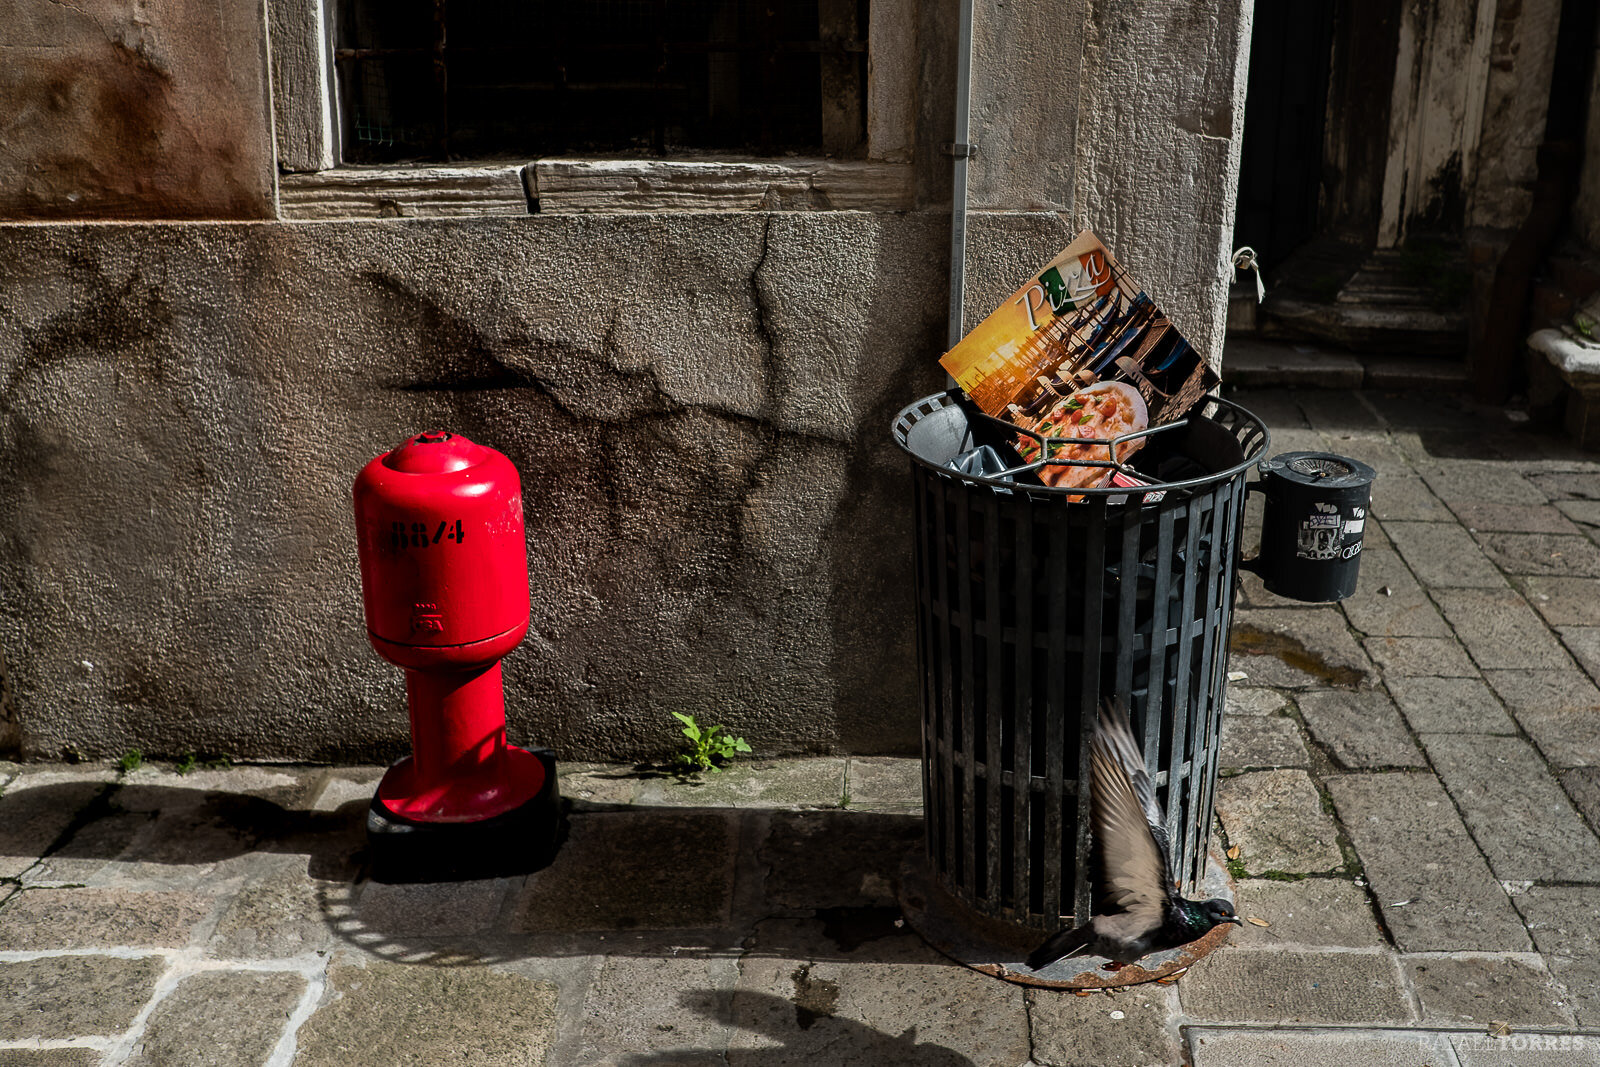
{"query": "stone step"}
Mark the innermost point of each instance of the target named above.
(1247, 361)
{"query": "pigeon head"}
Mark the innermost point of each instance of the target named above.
(1219, 911)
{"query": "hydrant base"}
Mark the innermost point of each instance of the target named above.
(518, 841)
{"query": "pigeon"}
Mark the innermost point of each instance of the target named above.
(1140, 910)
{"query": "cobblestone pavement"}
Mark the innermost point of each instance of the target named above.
(1411, 780)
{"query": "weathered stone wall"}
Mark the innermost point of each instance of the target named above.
(1586, 205)
(698, 406)
(121, 109)
(698, 403)
(1516, 97)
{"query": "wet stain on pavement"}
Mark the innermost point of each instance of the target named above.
(814, 998)
(1249, 641)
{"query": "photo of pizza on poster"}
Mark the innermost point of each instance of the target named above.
(1079, 354)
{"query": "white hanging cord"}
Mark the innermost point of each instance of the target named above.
(1245, 259)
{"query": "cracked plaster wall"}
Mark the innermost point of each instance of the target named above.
(121, 109)
(698, 404)
(716, 519)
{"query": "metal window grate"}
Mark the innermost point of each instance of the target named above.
(433, 80)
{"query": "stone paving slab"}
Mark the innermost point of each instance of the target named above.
(1560, 710)
(1275, 819)
(1273, 405)
(1378, 451)
(1450, 706)
(1542, 554)
(1434, 889)
(1308, 912)
(50, 1057)
(680, 865)
(36, 809)
(153, 787)
(657, 1010)
(1583, 786)
(1261, 741)
(1297, 647)
(1406, 498)
(1360, 729)
(1582, 512)
(46, 997)
(1211, 1047)
(1584, 642)
(1135, 1027)
(1388, 601)
(1248, 700)
(863, 850)
(1562, 922)
(92, 849)
(1443, 555)
(36, 919)
(1480, 990)
(1294, 986)
(219, 1017)
(1526, 1050)
(1339, 412)
(1515, 809)
(801, 783)
(389, 1015)
(594, 783)
(1470, 483)
(433, 909)
(1564, 601)
(280, 911)
(890, 1000)
(1568, 484)
(1500, 630)
(882, 783)
(1431, 657)
(1514, 518)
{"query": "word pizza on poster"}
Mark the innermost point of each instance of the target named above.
(1079, 354)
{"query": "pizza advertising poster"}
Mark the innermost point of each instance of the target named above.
(1079, 353)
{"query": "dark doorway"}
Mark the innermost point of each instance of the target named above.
(1280, 167)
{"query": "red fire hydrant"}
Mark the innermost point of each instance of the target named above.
(444, 579)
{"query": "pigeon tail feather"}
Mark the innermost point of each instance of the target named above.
(1064, 943)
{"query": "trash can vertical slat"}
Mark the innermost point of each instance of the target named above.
(1055, 723)
(1161, 624)
(1178, 712)
(963, 752)
(1200, 723)
(927, 685)
(945, 745)
(1093, 616)
(1022, 716)
(1127, 598)
(994, 712)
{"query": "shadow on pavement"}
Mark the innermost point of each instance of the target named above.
(791, 1033)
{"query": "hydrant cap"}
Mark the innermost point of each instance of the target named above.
(436, 452)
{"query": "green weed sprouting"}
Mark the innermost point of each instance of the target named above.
(707, 748)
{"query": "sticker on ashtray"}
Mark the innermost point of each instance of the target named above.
(1321, 533)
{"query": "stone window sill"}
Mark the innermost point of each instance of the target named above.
(574, 187)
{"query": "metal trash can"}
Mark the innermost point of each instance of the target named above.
(1033, 605)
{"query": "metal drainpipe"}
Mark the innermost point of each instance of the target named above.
(961, 149)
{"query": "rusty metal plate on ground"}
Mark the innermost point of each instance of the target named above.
(998, 948)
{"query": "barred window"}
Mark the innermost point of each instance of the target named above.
(439, 80)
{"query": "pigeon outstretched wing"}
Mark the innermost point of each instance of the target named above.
(1128, 824)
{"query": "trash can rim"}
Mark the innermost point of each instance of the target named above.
(919, 409)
